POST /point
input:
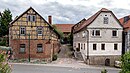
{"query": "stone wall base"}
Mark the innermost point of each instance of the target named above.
(102, 60)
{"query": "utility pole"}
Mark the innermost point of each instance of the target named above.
(29, 47)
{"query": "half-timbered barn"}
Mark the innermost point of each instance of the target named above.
(31, 36)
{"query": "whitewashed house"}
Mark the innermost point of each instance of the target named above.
(125, 21)
(99, 38)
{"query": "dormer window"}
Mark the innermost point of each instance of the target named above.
(105, 20)
(31, 18)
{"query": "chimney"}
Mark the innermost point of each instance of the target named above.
(50, 19)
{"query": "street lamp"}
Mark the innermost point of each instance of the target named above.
(29, 47)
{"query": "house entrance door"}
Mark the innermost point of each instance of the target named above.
(107, 62)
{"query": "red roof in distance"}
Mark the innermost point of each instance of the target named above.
(64, 27)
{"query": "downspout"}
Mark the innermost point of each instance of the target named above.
(87, 46)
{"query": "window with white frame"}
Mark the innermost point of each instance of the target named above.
(114, 33)
(39, 30)
(31, 18)
(83, 34)
(22, 48)
(22, 30)
(115, 46)
(103, 46)
(105, 20)
(94, 46)
(96, 33)
(39, 48)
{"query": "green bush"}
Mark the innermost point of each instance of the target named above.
(104, 71)
(4, 67)
(125, 63)
(54, 57)
(2, 41)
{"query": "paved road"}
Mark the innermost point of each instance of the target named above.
(22, 68)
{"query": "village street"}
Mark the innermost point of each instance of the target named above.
(64, 64)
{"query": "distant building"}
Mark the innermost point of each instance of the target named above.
(30, 35)
(65, 28)
(125, 21)
(99, 38)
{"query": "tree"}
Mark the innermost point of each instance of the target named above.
(4, 67)
(5, 19)
(60, 33)
(125, 63)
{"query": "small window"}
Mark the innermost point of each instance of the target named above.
(115, 46)
(22, 48)
(96, 33)
(81, 46)
(22, 31)
(31, 18)
(39, 30)
(105, 20)
(114, 33)
(39, 48)
(84, 46)
(94, 46)
(103, 46)
(83, 33)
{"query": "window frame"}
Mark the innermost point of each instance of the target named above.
(31, 18)
(41, 48)
(94, 46)
(114, 33)
(102, 46)
(22, 30)
(115, 46)
(105, 20)
(39, 28)
(96, 33)
(22, 46)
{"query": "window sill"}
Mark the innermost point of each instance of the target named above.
(22, 34)
(22, 52)
(114, 37)
(40, 52)
(39, 34)
(96, 36)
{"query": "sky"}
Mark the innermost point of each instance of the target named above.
(66, 11)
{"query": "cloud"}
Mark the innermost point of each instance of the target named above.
(66, 11)
(120, 12)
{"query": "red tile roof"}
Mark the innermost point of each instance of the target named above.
(64, 27)
(91, 19)
(126, 25)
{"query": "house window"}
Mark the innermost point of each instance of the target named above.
(96, 33)
(114, 33)
(94, 46)
(103, 46)
(39, 30)
(22, 31)
(22, 48)
(39, 48)
(84, 46)
(83, 33)
(115, 46)
(31, 18)
(81, 46)
(105, 20)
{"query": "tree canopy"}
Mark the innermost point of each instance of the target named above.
(5, 19)
(125, 63)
